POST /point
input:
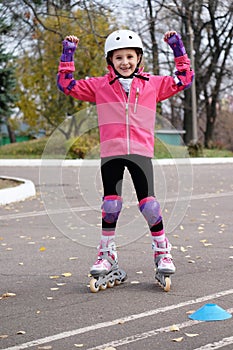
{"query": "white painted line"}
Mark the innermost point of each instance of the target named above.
(136, 337)
(125, 319)
(97, 208)
(217, 345)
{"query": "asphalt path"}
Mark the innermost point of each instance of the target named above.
(47, 245)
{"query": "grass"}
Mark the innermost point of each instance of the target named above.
(35, 148)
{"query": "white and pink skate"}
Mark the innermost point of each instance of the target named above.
(105, 271)
(164, 266)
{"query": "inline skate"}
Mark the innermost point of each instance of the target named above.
(105, 271)
(164, 266)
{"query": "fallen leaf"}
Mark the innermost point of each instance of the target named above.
(190, 312)
(191, 261)
(42, 249)
(8, 295)
(4, 336)
(178, 340)
(191, 335)
(174, 328)
(121, 322)
(207, 244)
(21, 332)
(54, 277)
(183, 249)
(73, 258)
(67, 274)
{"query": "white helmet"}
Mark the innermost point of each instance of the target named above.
(122, 39)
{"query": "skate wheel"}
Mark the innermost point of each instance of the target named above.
(93, 287)
(110, 284)
(167, 284)
(117, 282)
(103, 286)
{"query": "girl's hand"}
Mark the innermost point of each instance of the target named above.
(175, 42)
(69, 44)
(168, 34)
(73, 39)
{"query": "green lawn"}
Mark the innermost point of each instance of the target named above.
(35, 148)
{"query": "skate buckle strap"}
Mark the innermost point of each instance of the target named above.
(165, 251)
(106, 251)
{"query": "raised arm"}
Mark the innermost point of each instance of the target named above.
(184, 74)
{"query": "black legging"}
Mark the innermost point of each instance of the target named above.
(140, 169)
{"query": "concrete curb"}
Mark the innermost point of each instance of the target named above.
(18, 193)
(96, 162)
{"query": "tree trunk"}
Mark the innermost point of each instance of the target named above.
(211, 114)
(188, 125)
(11, 133)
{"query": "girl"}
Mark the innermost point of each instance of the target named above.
(126, 100)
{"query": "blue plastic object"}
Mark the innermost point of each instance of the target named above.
(210, 312)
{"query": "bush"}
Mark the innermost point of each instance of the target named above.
(84, 146)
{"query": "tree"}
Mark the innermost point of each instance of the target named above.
(48, 23)
(7, 83)
(211, 24)
(205, 24)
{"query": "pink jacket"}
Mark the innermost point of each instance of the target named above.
(126, 123)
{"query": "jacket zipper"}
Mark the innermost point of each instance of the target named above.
(126, 117)
(127, 122)
(136, 100)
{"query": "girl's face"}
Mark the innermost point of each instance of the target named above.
(125, 61)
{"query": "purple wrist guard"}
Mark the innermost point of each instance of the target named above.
(68, 51)
(176, 43)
